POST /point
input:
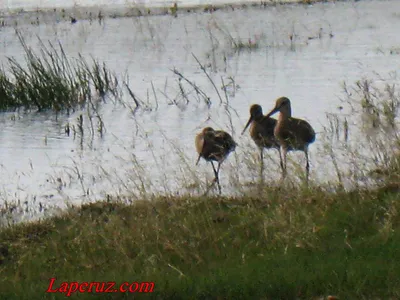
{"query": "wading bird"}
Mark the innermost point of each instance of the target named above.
(292, 134)
(214, 145)
(262, 131)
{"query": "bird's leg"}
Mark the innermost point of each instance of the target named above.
(261, 162)
(219, 186)
(307, 165)
(215, 172)
(216, 179)
(219, 166)
(283, 161)
(280, 159)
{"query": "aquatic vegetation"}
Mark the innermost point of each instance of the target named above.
(51, 80)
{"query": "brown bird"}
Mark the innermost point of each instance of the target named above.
(262, 131)
(292, 134)
(214, 145)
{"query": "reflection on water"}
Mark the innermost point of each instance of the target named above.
(304, 53)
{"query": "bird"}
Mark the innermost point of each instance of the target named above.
(261, 130)
(214, 145)
(292, 134)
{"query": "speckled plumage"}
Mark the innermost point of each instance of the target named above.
(214, 145)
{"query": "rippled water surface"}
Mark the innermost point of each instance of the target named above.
(304, 52)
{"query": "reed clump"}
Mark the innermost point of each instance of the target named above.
(49, 80)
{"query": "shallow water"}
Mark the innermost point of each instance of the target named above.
(147, 151)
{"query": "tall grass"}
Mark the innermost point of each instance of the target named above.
(51, 80)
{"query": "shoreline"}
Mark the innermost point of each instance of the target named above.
(35, 16)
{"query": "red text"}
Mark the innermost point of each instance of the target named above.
(68, 288)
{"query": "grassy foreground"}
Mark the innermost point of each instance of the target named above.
(285, 244)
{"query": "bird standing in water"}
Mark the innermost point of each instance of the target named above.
(214, 145)
(291, 133)
(262, 131)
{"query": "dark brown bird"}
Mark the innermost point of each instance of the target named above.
(292, 134)
(214, 145)
(261, 130)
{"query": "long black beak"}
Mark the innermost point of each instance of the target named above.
(248, 123)
(198, 159)
(275, 110)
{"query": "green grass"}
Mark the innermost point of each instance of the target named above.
(49, 80)
(282, 245)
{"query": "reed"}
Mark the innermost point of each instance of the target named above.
(49, 80)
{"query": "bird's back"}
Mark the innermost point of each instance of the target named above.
(225, 141)
(295, 133)
(215, 145)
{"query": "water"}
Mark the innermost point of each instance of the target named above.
(148, 151)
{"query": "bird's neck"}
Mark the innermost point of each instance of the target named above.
(258, 118)
(284, 115)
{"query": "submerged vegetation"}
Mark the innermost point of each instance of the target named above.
(51, 80)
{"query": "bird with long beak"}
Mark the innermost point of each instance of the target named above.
(292, 134)
(262, 131)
